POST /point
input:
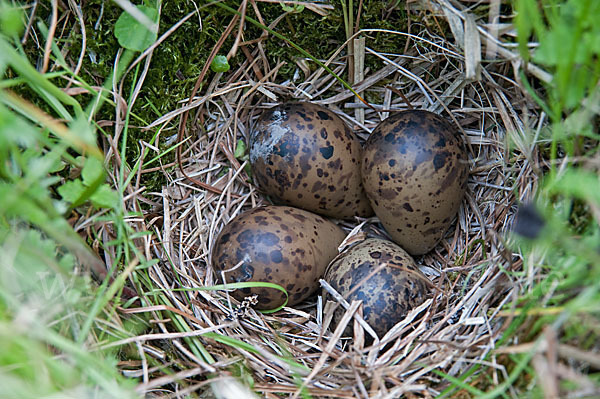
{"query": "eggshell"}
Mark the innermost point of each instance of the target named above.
(276, 244)
(383, 276)
(304, 155)
(414, 170)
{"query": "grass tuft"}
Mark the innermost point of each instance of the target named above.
(106, 287)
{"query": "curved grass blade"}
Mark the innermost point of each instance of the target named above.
(251, 284)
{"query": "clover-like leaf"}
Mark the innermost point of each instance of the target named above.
(294, 8)
(133, 35)
(220, 64)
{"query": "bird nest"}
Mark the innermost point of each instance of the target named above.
(294, 351)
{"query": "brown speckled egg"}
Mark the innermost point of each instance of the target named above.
(304, 155)
(276, 244)
(415, 169)
(390, 293)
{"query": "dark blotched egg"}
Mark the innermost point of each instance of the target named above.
(276, 244)
(414, 170)
(395, 286)
(304, 155)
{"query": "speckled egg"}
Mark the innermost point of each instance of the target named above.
(276, 244)
(414, 170)
(396, 287)
(304, 155)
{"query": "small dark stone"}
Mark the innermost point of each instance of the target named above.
(529, 223)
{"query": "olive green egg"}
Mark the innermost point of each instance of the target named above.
(276, 244)
(414, 170)
(383, 276)
(304, 155)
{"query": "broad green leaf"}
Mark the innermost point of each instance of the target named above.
(552, 47)
(57, 166)
(3, 65)
(104, 197)
(578, 183)
(133, 35)
(11, 21)
(71, 190)
(10, 123)
(92, 170)
(590, 40)
(84, 131)
(220, 64)
(15, 204)
(240, 149)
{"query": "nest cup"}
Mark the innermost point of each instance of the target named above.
(454, 328)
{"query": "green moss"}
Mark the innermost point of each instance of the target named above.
(178, 61)
(321, 36)
(176, 65)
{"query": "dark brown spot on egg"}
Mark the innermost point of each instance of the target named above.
(440, 160)
(225, 237)
(276, 256)
(326, 152)
(323, 115)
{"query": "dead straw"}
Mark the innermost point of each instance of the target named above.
(457, 327)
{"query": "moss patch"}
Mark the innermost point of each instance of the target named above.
(178, 61)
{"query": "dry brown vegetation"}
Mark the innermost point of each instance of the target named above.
(294, 352)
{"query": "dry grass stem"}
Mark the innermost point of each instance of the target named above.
(295, 350)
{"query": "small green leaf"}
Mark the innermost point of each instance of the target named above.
(104, 197)
(248, 170)
(15, 204)
(92, 170)
(71, 190)
(220, 64)
(11, 22)
(84, 130)
(57, 166)
(240, 149)
(133, 35)
(292, 8)
(577, 182)
(10, 123)
(551, 49)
